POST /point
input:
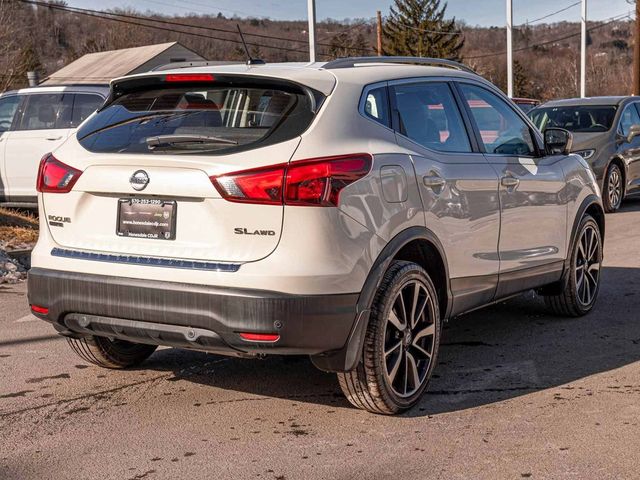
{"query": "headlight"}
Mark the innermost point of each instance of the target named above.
(586, 154)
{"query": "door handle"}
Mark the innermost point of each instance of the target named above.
(434, 181)
(509, 181)
(54, 138)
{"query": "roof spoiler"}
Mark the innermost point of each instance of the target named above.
(350, 62)
(195, 63)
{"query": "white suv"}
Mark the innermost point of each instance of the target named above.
(339, 210)
(34, 121)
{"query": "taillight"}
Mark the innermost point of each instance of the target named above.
(318, 182)
(56, 177)
(315, 183)
(260, 185)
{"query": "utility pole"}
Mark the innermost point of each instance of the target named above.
(636, 53)
(311, 6)
(379, 33)
(583, 52)
(510, 48)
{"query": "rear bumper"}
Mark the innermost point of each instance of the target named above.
(192, 316)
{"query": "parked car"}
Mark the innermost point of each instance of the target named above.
(605, 133)
(34, 121)
(526, 104)
(341, 210)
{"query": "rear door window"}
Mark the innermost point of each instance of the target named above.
(46, 111)
(216, 118)
(84, 104)
(8, 107)
(429, 115)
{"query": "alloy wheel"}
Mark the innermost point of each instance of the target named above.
(614, 188)
(409, 339)
(588, 265)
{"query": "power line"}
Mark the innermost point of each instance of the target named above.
(179, 24)
(548, 42)
(551, 14)
(103, 16)
(431, 31)
(211, 7)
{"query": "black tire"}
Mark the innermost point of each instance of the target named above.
(108, 353)
(613, 189)
(572, 300)
(370, 386)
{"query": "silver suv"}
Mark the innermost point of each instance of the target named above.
(341, 210)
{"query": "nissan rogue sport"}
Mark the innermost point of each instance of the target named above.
(341, 210)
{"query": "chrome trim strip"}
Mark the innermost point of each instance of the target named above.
(146, 261)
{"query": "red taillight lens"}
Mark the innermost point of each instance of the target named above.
(39, 309)
(261, 185)
(260, 337)
(316, 182)
(56, 177)
(189, 77)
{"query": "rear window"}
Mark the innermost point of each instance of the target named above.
(212, 118)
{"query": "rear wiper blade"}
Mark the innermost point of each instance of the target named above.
(186, 140)
(142, 118)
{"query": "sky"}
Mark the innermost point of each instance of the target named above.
(473, 12)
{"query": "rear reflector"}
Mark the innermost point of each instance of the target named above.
(189, 77)
(39, 309)
(260, 337)
(55, 177)
(314, 183)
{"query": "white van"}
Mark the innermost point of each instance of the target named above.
(35, 121)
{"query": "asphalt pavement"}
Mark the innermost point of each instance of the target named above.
(517, 393)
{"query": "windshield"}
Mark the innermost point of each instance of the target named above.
(212, 118)
(584, 118)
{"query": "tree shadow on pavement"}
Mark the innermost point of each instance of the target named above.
(507, 350)
(504, 351)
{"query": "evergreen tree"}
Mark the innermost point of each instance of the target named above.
(521, 85)
(417, 28)
(344, 44)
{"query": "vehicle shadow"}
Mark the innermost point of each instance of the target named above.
(631, 204)
(510, 349)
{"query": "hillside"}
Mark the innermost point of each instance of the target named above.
(45, 39)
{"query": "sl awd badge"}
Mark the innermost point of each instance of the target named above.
(245, 231)
(139, 180)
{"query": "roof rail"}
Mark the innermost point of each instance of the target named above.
(434, 62)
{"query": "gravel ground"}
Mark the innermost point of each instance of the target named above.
(18, 232)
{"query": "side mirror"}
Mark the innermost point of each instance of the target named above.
(558, 141)
(634, 131)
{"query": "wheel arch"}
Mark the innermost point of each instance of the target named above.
(591, 205)
(416, 244)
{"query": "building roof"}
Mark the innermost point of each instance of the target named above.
(101, 67)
